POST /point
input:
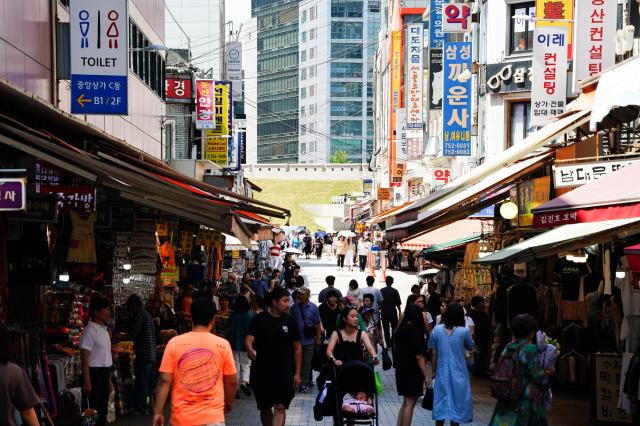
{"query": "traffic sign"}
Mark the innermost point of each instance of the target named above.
(99, 52)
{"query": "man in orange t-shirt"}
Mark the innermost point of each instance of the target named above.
(198, 367)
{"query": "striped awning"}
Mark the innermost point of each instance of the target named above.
(464, 228)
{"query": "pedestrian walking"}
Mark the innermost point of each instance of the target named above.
(350, 254)
(355, 293)
(229, 288)
(330, 280)
(143, 334)
(307, 316)
(16, 391)
(288, 267)
(390, 310)
(96, 361)
(238, 326)
(273, 344)
(199, 370)
(348, 342)
(371, 318)
(308, 246)
(341, 252)
(319, 246)
(363, 251)
(329, 312)
(529, 408)
(433, 302)
(221, 318)
(418, 299)
(370, 289)
(452, 390)
(410, 356)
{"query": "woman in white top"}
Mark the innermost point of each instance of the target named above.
(468, 321)
(350, 254)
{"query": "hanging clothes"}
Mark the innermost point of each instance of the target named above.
(167, 254)
(82, 245)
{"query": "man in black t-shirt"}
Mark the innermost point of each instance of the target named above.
(273, 344)
(390, 308)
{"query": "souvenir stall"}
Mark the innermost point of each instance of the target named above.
(239, 258)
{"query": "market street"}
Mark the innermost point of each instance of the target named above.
(569, 409)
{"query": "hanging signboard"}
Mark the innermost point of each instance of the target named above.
(436, 35)
(383, 194)
(216, 148)
(531, 194)
(80, 199)
(177, 90)
(557, 13)
(509, 77)
(595, 39)
(13, 194)
(205, 105)
(99, 53)
(456, 108)
(579, 174)
(217, 140)
(414, 79)
(608, 368)
(436, 79)
(233, 60)
(549, 86)
(396, 81)
(456, 18)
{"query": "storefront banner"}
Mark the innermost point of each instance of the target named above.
(456, 18)
(177, 90)
(79, 199)
(45, 174)
(441, 176)
(414, 80)
(233, 60)
(205, 105)
(532, 194)
(223, 116)
(216, 148)
(436, 79)
(557, 13)
(401, 136)
(396, 81)
(383, 194)
(509, 77)
(436, 35)
(549, 86)
(579, 174)
(456, 109)
(595, 45)
(13, 194)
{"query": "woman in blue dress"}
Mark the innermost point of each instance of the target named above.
(452, 390)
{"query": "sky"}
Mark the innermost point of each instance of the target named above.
(238, 11)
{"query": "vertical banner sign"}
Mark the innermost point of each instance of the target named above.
(217, 139)
(99, 53)
(456, 105)
(205, 105)
(557, 13)
(435, 79)
(396, 81)
(436, 35)
(456, 18)
(595, 41)
(233, 67)
(401, 136)
(414, 81)
(549, 86)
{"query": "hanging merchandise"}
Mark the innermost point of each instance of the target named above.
(82, 246)
(143, 247)
(472, 279)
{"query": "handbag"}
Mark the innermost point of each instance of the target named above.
(386, 359)
(317, 361)
(427, 400)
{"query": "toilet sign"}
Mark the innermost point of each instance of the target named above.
(99, 52)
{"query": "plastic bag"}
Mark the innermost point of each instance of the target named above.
(379, 388)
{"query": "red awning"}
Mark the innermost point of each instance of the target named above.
(615, 196)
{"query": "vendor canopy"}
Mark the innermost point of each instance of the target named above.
(614, 196)
(466, 228)
(565, 238)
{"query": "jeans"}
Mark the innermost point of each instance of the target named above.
(243, 365)
(99, 396)
(307, 357)
(363, 261)
(389, 326)
(341, 258)
(145, 378)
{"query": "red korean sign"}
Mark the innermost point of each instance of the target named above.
(80, 199)
(442, 176)
(456, 18)
(205, 104)
(178, 89)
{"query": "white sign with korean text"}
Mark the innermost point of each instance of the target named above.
(579, 174)
(549, 86)
(401, 135)
(595, 38)
(414, 80)
(456, 18)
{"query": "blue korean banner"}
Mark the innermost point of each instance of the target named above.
(456, 99)
(436, 35)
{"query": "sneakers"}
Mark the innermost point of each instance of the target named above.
(303, 389)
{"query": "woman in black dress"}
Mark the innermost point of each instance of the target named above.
(347, 341)
(410, 351)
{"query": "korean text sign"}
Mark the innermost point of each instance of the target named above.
(549, 86)
(595, 41)
(13, 194)
(99, 53)
(456, 100)
(414, 77)
(456, 18)
(218, 140)
(436, 35)
(557, 13)
(178, 89)
(205, 105)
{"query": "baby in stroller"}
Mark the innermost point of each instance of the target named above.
(360, 403)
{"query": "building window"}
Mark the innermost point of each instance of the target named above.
(303, 93)
(346, 30)
(312, 34)
(312, 53)
(519, 122)
(303, 37)
(302, 111)
(303, 56)
(303, 73)
(312, 13)
(303, 148)
(168, 142)
(522, 29)
(346, 108)
(312, 71)
(312, 90)
(346, 128)
(374, 6)
(148, 65)
(342, 89)
(312, 109)
(346, 50)
(346, 9)
(303, 18)
(346, 70)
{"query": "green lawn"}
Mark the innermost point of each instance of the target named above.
(291, 193)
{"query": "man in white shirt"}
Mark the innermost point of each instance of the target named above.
(363, 252)
(95, 351)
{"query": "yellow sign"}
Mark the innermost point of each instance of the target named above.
(235, 254)
(384, 194)
(186, 241)
(162, 229)
(556, 13)
(216, 148)
(206, 237)
(169, 276)
(396, 101)
(223, 109)
(531, 194)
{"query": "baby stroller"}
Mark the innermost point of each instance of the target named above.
(352, 377)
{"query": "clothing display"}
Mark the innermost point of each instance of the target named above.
(82, 246)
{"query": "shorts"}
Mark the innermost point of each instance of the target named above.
(272, 390)
(409, 384)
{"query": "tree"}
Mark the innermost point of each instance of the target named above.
(339, 157)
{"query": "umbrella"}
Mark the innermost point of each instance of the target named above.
(292, 250)
(346, 234)
(320, 234)
(428, 272)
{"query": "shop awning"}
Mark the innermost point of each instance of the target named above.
(489, 190)
(531, 145)
(564, 239)
(466, 228)
(382, 216)
(453, 244)
(232, 243)
(614, 196)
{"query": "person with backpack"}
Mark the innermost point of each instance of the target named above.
(452, 390)
(518, 378)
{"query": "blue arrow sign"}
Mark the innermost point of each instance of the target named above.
(98, 94)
